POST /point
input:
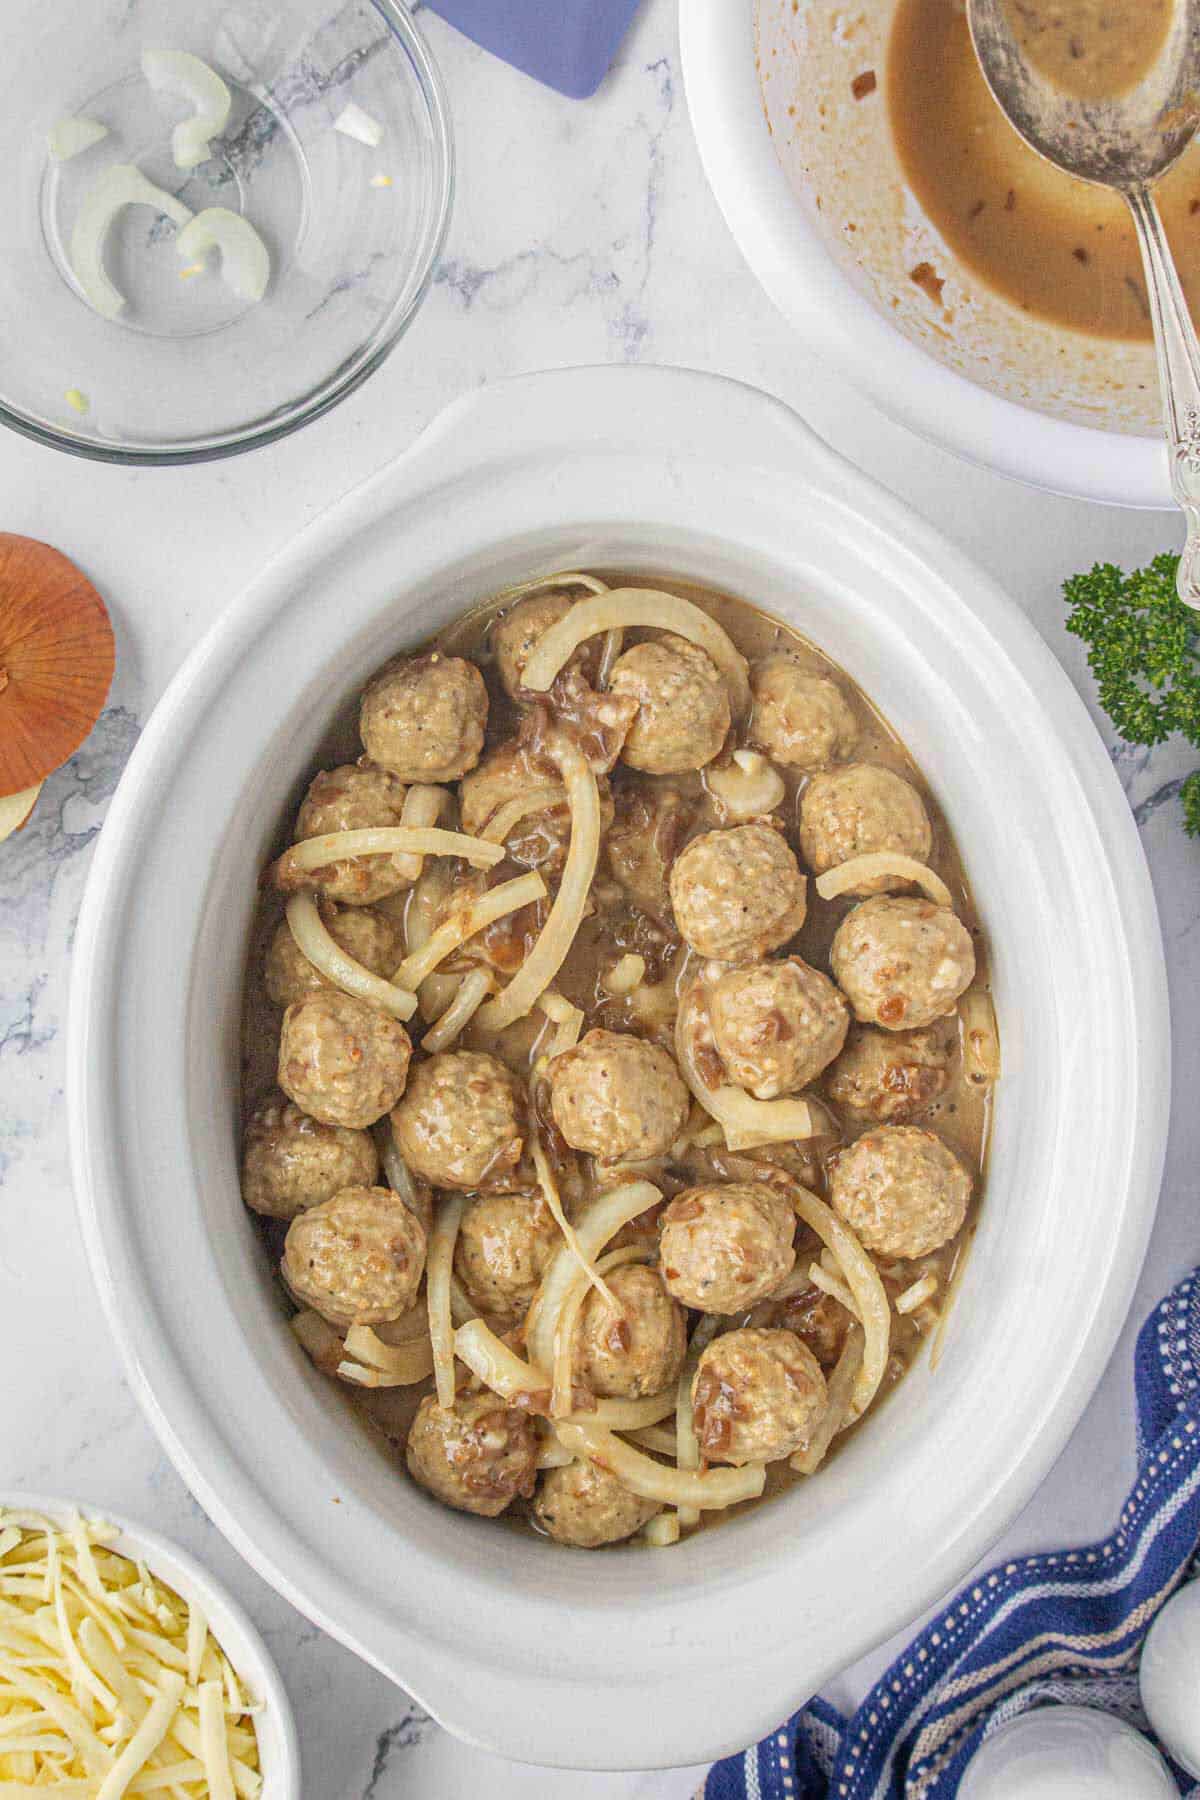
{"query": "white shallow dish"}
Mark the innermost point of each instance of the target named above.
(629, 1659)
(820, 210)
(278, 1748)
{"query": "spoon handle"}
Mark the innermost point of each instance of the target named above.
(1179, 377)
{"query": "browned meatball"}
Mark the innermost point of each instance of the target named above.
(340, 1060)
(368, 936)
(901, 1189)
(357, 1258)
(801, 719)
(504, 1244)
(649, 827)
(356, 797)
(461, 1122)
(617, 1097)
(683, 706)
(517, 630)
(776, 1025)
(636, 1350)
(725, 1247)
(901, 961)
(583, 1505)
(857, 810)
(738, 893)
(423, 717)
(476, 1455)
(757, 1396)
(890, 1077)
(291, 1162)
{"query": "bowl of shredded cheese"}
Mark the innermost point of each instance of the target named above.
(126, 1670)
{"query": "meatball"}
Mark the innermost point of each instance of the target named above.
(356, 797)
(368, 936)
(723, 1248)
(340, 1060)
(460, 1123)
(638, 1349)
(857, 810)
(357, 1258)
(504, 1244)
(901, 1189)
(539, 840)
(291, 1162)
(738, 893)
(757, 1396)
(476, 1455)
(683, 710)
(776, 1025)
(801, 719)
(901, 961)
(423, 717)
(617, 1097)
(516, 631)
(585, 1506)
(649, 827)
(890, 1077)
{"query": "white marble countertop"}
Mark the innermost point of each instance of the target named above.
(584, 233)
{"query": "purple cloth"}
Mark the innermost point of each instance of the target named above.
(568, 44)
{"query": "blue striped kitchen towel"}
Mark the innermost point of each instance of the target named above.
(1062, 1626)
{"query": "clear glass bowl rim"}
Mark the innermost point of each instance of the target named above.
(350, 376)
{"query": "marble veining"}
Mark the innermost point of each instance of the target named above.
(582, 233)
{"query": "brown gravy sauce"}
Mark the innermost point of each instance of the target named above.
(1056, 247)
(960, 1116)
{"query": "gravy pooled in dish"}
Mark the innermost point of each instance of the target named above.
(618, 1055)
(1057, 247)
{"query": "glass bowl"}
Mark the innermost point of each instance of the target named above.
(187, 370)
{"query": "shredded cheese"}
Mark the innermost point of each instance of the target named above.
(104, 1673)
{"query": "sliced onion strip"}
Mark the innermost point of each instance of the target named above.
(319, 1339)
(438, 1271)
(599, 1220)
(245, 261)
(541, 584)
(118, 186)
(862, 1278)
(658, 1438)
(179, 72)
(523, 890)
(713, 1490)
(473, 991)
(627, 973)
(537, 800)
(746, 1122)
(354, 123)
(422, 808)
(329, 959)
(409, 1361)
(381, 840)
(661, 1532)
(499, 1368)
(72, 136)
(980, 1038)
(551, 1196)
(917, 1294)
(840, 1393)
(648, 608)
(566, 915)
(953, 1287)
(861, 869)
(834, 1287)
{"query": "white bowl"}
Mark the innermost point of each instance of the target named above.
(275, 1728)
(829, 226)
(620, 1660)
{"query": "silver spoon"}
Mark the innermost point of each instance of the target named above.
(1126, 143)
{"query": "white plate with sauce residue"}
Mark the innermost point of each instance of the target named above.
(629, 1658)
(811, 186)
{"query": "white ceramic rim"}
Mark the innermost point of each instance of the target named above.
(840, 325)
(275, 1726)
(501, 451)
